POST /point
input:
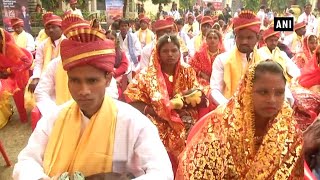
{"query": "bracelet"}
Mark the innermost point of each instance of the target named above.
(8, 70)
(144, 110)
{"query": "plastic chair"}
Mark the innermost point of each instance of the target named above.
(4, 154)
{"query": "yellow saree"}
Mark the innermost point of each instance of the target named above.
(225, 146)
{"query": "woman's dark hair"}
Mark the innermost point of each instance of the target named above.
(215, 32)
(168, 38)
(268, 66)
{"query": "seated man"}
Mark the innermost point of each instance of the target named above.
(93, 134)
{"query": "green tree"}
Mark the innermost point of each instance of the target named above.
(253, 5)
(165, 2)
(186, 4)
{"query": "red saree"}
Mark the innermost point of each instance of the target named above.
(310, 74)
(202, 62)
(225, 146)
(303, 57)
(17, 60)
(153, 87)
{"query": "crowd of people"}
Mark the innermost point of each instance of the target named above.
(185, 96)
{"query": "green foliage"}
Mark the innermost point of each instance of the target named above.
(253, 5)
(186, 4)
(50, 5)
(165, 2)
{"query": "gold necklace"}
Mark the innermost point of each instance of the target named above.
(213, 53)
(170, 77)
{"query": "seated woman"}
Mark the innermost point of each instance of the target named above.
(253, 136)
(307, 97)
(310, 43)
(121, 63)
(157, 91)
(203, 59)
(95, 24)
(14, 74)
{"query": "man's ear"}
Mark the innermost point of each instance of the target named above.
(108, 79)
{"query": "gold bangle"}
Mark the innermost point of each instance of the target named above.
(8, 70)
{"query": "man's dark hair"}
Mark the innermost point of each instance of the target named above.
(124, 21)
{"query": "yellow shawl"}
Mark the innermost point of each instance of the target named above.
(233, 70)
(295, 41)
(198, 42)
(225, 145)
(61, 86)
(68, 150)
(276, 56)
(148, 38)
(20, 39)
(50, 52)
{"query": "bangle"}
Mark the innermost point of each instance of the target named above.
(144, 110)
(8, 70)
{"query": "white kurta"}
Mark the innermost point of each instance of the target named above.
(77, 12)
(40, 54)
(30, 46)
(217, 83)
(137, 147)
(311, 21)
(175, 14)
(291, 67)
(136, 47)
(288, 40)
(45, 92)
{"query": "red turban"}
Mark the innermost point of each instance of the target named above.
(207, 19)
(145, 19)
(299, 25)
(73, 1)
(88, 47)
(246, 19)
(50, 18)
(163, 24)
(71, 22)
(199, 17)
(270, 32)
(16, 21)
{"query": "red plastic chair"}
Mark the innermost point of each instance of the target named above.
(4, 154)
(35, 117)
(19, 101)
(307, 173)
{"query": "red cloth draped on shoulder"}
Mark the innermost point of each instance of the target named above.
(17, 61)
(202, 61)
(310, 74)
(154, 88)
(302, 58)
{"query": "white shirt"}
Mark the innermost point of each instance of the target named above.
(312, 23)
(261, 15)
(40, 54)
(125, 47)
(45, 92)
(217, 83)
(291, 67)
(175, 14)
(288, 40)
(30, 46)
(137, 147)
(146, 54)
(143, 36)
(76, 11)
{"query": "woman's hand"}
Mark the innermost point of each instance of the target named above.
(205, 76)
(311, 138)
(4, 74)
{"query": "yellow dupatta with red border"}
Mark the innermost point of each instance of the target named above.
(68, 150)
(49, 52)
(224, 147)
